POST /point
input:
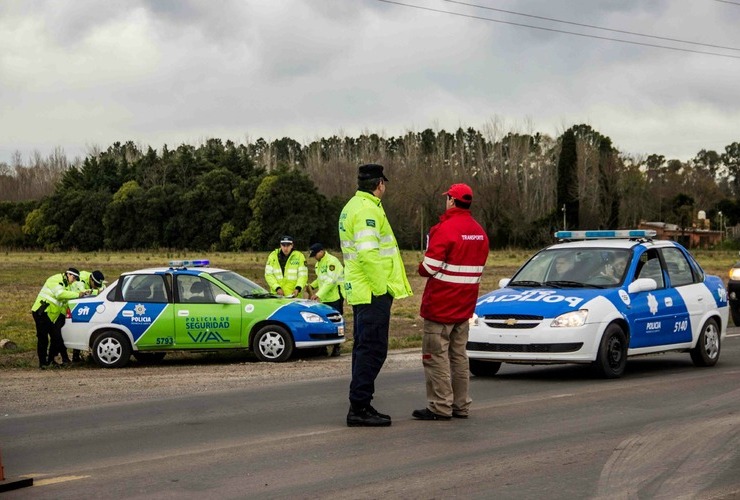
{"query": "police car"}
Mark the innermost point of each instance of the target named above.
(190, 306)
(598, 297)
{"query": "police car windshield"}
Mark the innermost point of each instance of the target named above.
(240, 284)
(580, 267)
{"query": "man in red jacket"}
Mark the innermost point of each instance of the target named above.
(454, 260)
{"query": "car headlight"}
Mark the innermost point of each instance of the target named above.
(310, 317)
(474, 321)
(735, 273)
(571, 319)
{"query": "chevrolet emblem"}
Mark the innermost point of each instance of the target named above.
(510, 322)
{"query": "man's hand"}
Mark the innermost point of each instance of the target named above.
(280, 292)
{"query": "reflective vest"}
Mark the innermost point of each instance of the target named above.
(296, 272)
(56, 294)
(329, 277)
(372, 261)
(84, 283)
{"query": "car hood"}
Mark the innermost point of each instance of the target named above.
(298, 305)
(545, 302)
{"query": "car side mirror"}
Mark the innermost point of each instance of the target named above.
(222, 298)
(642, 285)
(503, 282)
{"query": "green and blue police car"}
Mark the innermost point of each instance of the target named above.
(190, 306)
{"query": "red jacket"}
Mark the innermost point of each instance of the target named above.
(453, 262)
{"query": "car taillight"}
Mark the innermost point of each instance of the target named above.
(69, 313)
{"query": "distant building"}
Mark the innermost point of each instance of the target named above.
(690, 237)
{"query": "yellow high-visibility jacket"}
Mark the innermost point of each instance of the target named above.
(329, 277)
(55, 293)
(296, 272)
(372, 261)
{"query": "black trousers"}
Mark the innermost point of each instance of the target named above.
(49, 336)
(338, 305)
(370, 348)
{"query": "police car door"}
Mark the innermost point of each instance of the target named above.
(655, 313)
(146, 311)
(694, 295)
(200, 322)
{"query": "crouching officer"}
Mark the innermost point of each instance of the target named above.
(48, 313)
(285, 272)
(327, 287)
(92, 282)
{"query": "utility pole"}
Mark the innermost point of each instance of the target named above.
(563, 210)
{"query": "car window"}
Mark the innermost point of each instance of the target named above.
(679, 269)
(196, 290)
(601, 267)
(649, 267)
(143, 288)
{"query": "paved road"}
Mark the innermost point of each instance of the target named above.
(665, 430)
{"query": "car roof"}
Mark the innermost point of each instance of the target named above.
(159, 270)
(612, 243)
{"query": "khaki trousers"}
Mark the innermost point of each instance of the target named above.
(446, 367)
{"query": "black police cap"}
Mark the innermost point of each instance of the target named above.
(370, 171)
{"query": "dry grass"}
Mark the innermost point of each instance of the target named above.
(23, 273)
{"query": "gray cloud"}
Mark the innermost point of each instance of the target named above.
(76, 73)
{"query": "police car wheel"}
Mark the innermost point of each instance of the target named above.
(273, 343)
(483, 368)
(706, 352)
(111, 350)
(612, 356)
(149, 358)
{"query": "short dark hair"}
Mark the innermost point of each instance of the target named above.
(368, 185)
(460, 204)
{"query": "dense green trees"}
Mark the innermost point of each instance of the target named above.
(229, 197)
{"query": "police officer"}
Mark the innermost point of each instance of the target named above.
(48, 313)
(286, 272)
(327, 287)
(92, 281)
(374, 275)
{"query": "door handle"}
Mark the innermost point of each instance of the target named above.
(183, 312)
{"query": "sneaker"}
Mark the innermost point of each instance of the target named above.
(427, 414)
(364, 418)
(336, 351)
(457, 414)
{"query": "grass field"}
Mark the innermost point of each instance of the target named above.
(23, 273)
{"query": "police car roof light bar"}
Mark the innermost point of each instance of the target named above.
(606, 234)
(190, 263)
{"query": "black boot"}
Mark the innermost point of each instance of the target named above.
(367, 417)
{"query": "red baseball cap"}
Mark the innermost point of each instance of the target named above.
(460, 192)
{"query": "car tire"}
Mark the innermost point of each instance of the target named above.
(273, 343)
(612, 356)
(149, 358)
(111, 350)
(706, 352)
(483, 368)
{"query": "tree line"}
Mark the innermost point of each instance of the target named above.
(226, 196)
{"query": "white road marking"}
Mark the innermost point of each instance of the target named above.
(55, 480)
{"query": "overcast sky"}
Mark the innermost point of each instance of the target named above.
(82, 73)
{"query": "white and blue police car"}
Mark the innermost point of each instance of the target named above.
(190, 306)
(599, 297)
